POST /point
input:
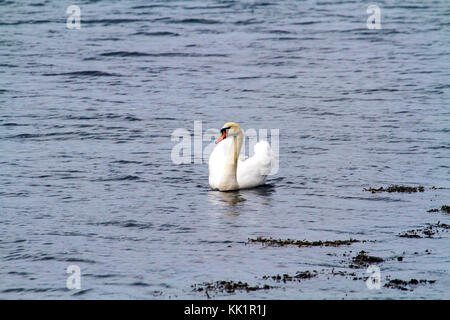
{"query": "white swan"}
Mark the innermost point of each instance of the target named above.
(227, 172)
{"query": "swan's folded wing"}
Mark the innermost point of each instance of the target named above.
(216, 163)
(253, 171)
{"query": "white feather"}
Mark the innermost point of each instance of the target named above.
(217, 162)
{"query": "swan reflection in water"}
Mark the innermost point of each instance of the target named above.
(233, 201)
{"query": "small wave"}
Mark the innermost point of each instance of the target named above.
(304, 23)
(72, 117)
(127, 162)
(15, 23)
(55, 135)
(124, 54)
(147, 6)
(326, 3)
(262, 4)
(245, 78)
(280, 32)
(7, 65)
(132, 118)
(125, 224)
(121, 178)
(25, 136)
(195, 21)
(88, 73)
(365, 32)
(282, 38)
(43, 257)
(13, 124)
(156, 34)
(140, 284)
(101, 276)
(78, 260)
(225, 6)
(163, 54)
(406, 6)
(220, 241)
(107, 22)
(35, 290)
(81, 292)
(164, 119)
(246, 22)
(19, 273)
(106, 39)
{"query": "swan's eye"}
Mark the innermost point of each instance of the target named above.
(223, 134)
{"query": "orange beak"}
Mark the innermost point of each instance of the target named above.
(223, 136)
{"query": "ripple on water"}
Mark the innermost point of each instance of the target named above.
(87, 172)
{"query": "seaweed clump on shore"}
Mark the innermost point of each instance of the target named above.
(302, 243)
(427, 232)
(228, 287)
(403, 285)
(445, 209)
(364, 260)
(299, 276)
(396, 188)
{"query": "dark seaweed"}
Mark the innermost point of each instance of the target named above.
(396, 188)
(364, 260)
(426, 232)
(302, 243)
(406, 285)
(228, 287)
(297, 277)
(445, 209)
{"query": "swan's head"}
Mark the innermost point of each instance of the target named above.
(229, 129)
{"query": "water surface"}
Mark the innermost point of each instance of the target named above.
(86, 118)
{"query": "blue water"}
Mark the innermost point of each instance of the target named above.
(86, 118)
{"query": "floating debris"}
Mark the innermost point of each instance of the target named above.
(445, 209)
(364, 260)
(302, 243)
(403, 285)
(297, 277)
(396, 188)
(342, 273)
(227, 286)
(410, 234)
(425, 232)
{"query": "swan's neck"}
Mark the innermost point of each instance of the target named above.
(229, 180)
